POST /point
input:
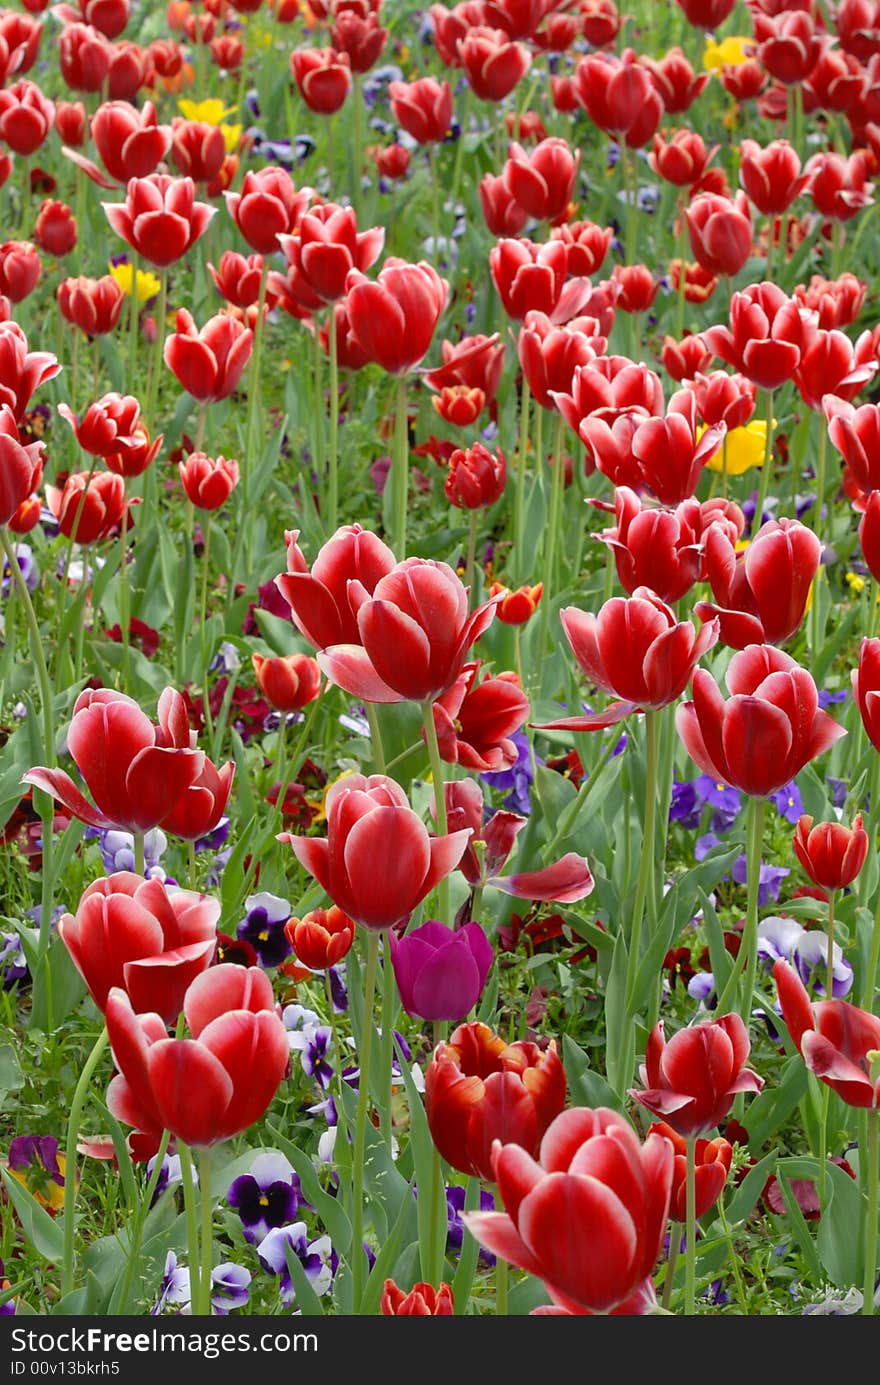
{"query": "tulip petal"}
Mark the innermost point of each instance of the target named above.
(192, 1090)
(583, 1237)
(60, 786)
(566, 881)
(254, 1051)
(386, 857)
(223, 988)
(349, 667)
(497, 1233)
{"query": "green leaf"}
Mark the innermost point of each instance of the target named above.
(44, 1233)
(772, 1108)
(11, 1076)
(587, 1088)
(796, 1220)
(748, 1192)
(619, 1028)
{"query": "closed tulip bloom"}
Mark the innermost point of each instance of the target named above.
(20, 269)
(681, 160)
(200, 807)
(109, 17)
(327, 246)
(136, 934)
(768, 334)
(831, 365)
(135, 771)
(107, 425)
(542, 179)
(377, 862)
(839, 187)
(238, 278)
(635, 650)
(491, 62)
(415, 632)
(440, 972)
(267, 206)
(685, 359)
(213, 1085)
(422, 1301)
(394, 317)
(638, 287)
(866, 688)
(516, 607)
(720, 231)
(855, 432)
(208, 481)
(84, 57)
(288, 683)
(474, 721)
(586, 246)
(473, 362)
(423, 108)
(518, 18)
(26, 117)
(831, 853)
(724, 398)
(450, 26)
(319, 600)
(768, 729)
(323, 77)
(21, 466)
(92, 305)
(771, 176)
(130, 143)
(96, 517)
(550, 355)
(503, 215)
(70, 122)
(869, 533)
(669, 453)
(619, 96)
(460, 405)
(321, 938)
(198, 149)
(531, 277)
(135, 454)
(588, 1218)
(788, 44)
(55, 229)
(675, 80)
(761, 592)
(209, 362)
(837, 302)
(479, 1089)
(360, 36)
(712, 1160)
(836, 1040)
(706, 14)
(655, 547)
(476, 477)
(837, 82)
(392, 160)
(691, 1081)
(160, 217)
(21, 35)
(858, 28)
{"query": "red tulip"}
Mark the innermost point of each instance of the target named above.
(768, 729)
(321, 938)
(394, 318)
(268, 206)
(84, 56)
(377, 861)
(450, 26)
(327, 246)
(135, 771)
(586, 246)
(21, 36)
(550, 355)
(691, 1081)
(238, 278)
(712, 1165)
(21, 466)
(361, 37)
(670, 456)
(503, 215)
(788, 45)
(160, 217)
(657, 548)
(135, 454)
(131, 143)
(638, 287)
(837, 302)
(542, 180)
(706, 14)
(415, 633)
(474, 721)
(683, 360)
(200, 807)
(423, 1301)
(675, 81)
(831, 365)
(478, 1089)
(869, 533)
(212, 1086)
(836, 1040)
(771, 175)
(20, 269)
(21, 371)
(767, 337)
(107, 426)
(287, 683)
(319, 600)
(323, 77)
(135, 934)
(600, 22)
(208, 481)
(858, 28)
(516, 607)
(474, 364)
(635, 650)
(866, 689)
(831, 854)
(531, 277)
(619, 96)
(210, 362)
(491, 62)
(70, 122)
(92, 305)
(723, 398)
(761, 592)
(423, 108)
(839, 187)
(855, 432)
(197, 149)
(681, 160)
(109, 17)
(96, 517)
(476, 477)
(392, 161)
(837, 82)
(26, 117)
(55, 231)
(720, 231)
(589, 1218)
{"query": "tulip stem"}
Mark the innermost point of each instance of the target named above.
(192, 1221)
(439, 802)
(690, 1243)
(647, 862)
(133, 317)
(68, 555)
(747, 959)
(815, 610)
(68, 1263)
(829, 961)
(203, 1308)
(473, 520)
(360, 1126)
(764, 483)
(124, 619)
(501, 1283)
(400, 473)
(333, 449)
(435, 203)
(435, 1251)
(47, 810)
(250, 427)
(138, 853)
(139, 1219)
(671, 1262)
(203, 608)
(389, 995)
(871, 1160)
(376, 744)
(519, 510)
(552, 536)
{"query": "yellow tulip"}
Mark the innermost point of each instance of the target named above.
(730, 52)
(209, 112)
(744, 447)
(147, 285)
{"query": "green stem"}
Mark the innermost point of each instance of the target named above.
(473, 521)
(360, 1126)
(435, 202)
(764, 483)
(552, 536)
(755, 821)
(671, 1262)
(436, 1248)
(124, 618)
(734, 1259)
(252, 415)
(376, 743)
(140, 1217)
(203, 1308)
(871, 1155)
(439, 801)
(68, 1263)
(138, 853)
(191, 1212)
(203, 604)
(829, 960)
(133, 323)
(690, 1244)
(68, 555)
(646, 864)
(389, 1005)
(519, 503)
(401, 472)
(501, 1283)
(333, 451)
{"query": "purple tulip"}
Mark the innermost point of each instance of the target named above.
(440, 971)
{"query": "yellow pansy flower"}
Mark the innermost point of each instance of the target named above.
(855, 582)
(146, 286)
(231, 136)
(730, 52)
(745, 448)
(209, 112)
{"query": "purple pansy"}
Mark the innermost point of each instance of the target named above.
(789, 803)
(517, 779)
(685, 807)
(266, 1198)
(314, 1256)
(263, 927)
(229, 1287)
(455, 1196)
(770, 879)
